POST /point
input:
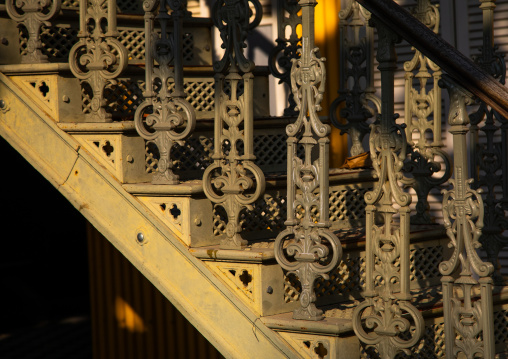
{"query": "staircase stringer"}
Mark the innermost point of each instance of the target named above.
(202, 298)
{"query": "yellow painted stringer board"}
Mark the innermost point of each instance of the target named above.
(205, 301)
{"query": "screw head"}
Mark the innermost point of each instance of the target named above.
(2, 104)
(140, 237)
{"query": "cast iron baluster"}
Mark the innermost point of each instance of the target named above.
(164, 118)
(234, 181)
(463, 219)
(287, 47)
(33, 14)
(423, 115)
(312, 249)
(490, 160)
(386, 318)
(356, 64)
(98, 57)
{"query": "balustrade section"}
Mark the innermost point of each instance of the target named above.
(165, 118)
(98, 58)
(467, 281)
(307, 247)
(489, 150)
(357, 102)
(31, 16)
(422, 107)
(288, 44)
(387, 320)
(233, 181)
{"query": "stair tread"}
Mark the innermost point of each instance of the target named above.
(329, 325)
(262, 251)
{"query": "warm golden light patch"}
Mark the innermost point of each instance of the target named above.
(127, 317)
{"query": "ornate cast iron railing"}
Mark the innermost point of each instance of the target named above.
(32, 15)
(356, 75)
(489, 158)
(98, 57)
(422, 107)
(233, 181)
(288, 44)
(164, 118)
(386, 319)
(469, 322)
(307, 247)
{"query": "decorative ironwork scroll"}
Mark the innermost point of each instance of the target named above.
(423, 116)
(386, 319)
(464, 313)
(234, 181)
(33, 14)
(98, 57)
(356, 75)
(287, 47)
(164, 118)
(307, 247)
(489, 158)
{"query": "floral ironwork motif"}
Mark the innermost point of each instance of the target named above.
(423, 116)
(33, 14)
(307, 247)
(356, 76)
(98, 57)
(463, 213)
(287, 47)
(233, 180)
(489, 159)
(386, 319)
(165, 118)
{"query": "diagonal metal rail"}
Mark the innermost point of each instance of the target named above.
(457, 65)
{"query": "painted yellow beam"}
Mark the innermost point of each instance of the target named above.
(202, 298)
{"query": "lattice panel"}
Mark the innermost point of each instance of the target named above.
(130, 7)
(134, 42)
(271, 150)
(57, 41)
(347, 204)
(127, 95)
(122, 99)
(292, 289)
(348, 277)
(70, 3)
(425, 262)
(194, 155)
(501, 326)
(200, 94)
(188, 47)
(271, 215)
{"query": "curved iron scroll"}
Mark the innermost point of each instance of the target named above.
(307, 247)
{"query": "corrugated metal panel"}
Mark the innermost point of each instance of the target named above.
(130, 317)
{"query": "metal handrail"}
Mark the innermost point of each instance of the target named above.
(462, 69)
